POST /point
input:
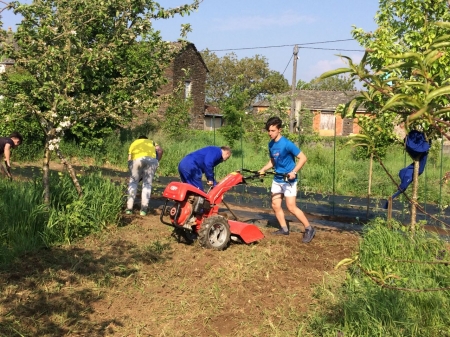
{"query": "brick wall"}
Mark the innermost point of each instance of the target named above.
(188, 62)
(344, 127)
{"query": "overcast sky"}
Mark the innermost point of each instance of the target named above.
(238, 24)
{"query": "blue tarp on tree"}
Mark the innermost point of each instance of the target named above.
(417, 146)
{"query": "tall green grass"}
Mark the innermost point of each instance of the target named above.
(27, 224)
(412, 265)
(22, 218)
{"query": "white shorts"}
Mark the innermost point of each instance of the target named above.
(289, 190)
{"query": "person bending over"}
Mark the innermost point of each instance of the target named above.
(192, 167)
(6, 145)
(144, 156)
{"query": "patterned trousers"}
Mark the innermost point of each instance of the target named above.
(144, 168)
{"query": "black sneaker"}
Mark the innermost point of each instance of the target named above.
(309, 234)
(281, 232)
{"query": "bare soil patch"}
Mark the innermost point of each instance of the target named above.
(136, 280)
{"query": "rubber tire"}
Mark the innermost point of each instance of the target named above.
(181, 233)
(214, 233)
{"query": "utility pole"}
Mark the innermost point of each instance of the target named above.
(294, 82)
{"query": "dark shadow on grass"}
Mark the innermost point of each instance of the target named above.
(52, 292)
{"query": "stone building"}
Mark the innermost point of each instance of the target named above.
(188, 70)
(322, 104)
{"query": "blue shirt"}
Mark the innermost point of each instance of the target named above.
(283, 153)
(205, 159)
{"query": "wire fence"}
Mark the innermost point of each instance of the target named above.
(434, 211)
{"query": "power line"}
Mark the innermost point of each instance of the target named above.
(287, 45)
(288, 63)
(360, 50)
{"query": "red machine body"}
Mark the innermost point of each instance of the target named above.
(190, 209)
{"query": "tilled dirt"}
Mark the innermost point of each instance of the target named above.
(137, 280)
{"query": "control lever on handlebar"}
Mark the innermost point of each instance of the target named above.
(285, 176)
(254, 174)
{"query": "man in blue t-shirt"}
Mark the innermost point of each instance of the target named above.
(203, 161)
(283, 153)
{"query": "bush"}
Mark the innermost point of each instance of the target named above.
(391, 288)
(34, 225)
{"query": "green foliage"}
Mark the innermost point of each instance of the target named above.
(89, 64)
(376, 136)
(403, 26)
(34, 225)
(305, 126)
(20, 227)
(405, 68)
(278, 106)
(16, 118)
(255, 132)
(391, 287)
(251, 73)
(337, 82)
(72, 217)
(233, 109)
(434, 153)
(177, 117)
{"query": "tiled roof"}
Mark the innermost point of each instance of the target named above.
(323, 100)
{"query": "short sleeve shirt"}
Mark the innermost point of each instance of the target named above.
(283, 154)
(142, 148)
(3, 142)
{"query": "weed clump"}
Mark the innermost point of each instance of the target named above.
(397, 285)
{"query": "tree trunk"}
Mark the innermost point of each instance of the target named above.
(414, 194)
(46, 173)
(71, 171)
(370, 185)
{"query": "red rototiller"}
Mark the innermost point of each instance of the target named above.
(194, 214)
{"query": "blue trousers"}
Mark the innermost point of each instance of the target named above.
(190, 174)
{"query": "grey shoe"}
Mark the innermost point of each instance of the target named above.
(309, 234)
(281, 232)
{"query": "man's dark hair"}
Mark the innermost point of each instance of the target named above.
(274, 121)
(17, 135)
(143, 137)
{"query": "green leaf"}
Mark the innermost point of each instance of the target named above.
(416, 115)
(442, 38)
(335, 72)
(438, 92)
(432, 57)
(442, 111)
(443, 24)
(440, 44)
(400, 100)
(409, 55)
(394, 65)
